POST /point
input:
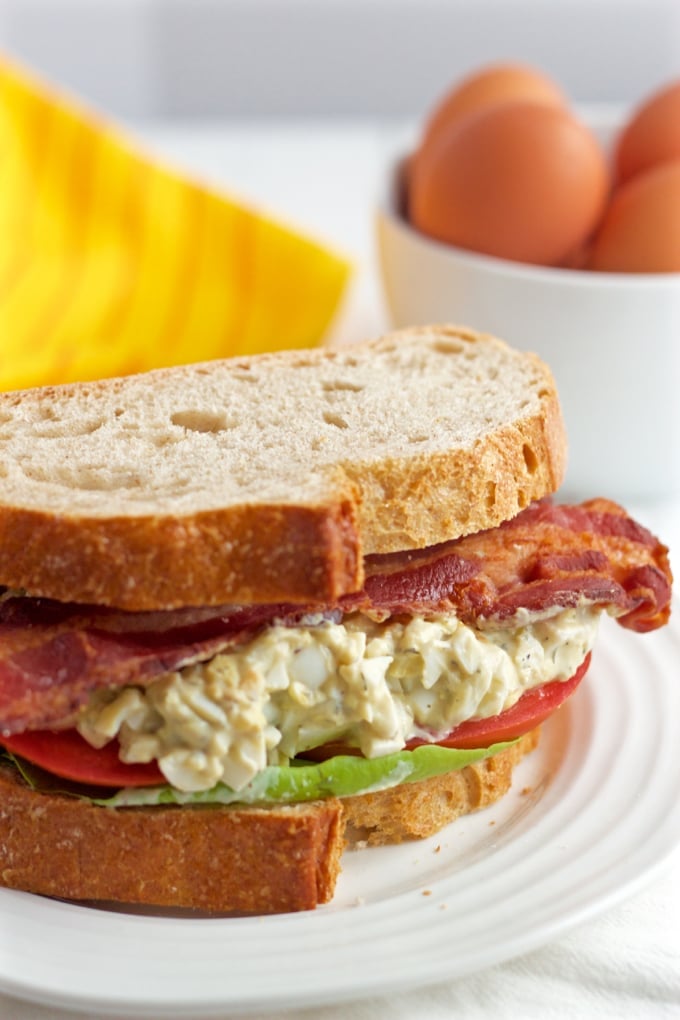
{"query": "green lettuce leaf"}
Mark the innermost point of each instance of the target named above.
(342, 776)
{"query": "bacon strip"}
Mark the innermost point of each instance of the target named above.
(52, 655)
(549, 555)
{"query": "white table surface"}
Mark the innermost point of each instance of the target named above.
(625, 964)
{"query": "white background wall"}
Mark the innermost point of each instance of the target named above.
(141, 58)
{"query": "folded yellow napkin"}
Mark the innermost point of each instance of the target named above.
(112, 263)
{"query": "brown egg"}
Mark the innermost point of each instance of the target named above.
(652, 135)
(493, 84)
(519, 180)
(640, 232)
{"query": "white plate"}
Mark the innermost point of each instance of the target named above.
(593, 813)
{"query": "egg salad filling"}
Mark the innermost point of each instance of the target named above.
(370, 684)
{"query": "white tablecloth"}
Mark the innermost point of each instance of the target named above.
(624, 965)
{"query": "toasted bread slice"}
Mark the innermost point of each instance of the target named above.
(270, 478)
(418, 810)
(217, 860)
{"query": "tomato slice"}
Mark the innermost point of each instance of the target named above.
(530, 711)
(66, 754)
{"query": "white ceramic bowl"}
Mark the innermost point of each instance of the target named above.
(611, 339)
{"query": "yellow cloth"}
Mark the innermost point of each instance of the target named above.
(111, 263)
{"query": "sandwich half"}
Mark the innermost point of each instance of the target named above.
(255, 609)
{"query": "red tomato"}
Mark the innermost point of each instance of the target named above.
(530, 711)
(66, 754)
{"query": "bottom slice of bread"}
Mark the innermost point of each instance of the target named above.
(418, 810)
(222, 859)
(213, 859)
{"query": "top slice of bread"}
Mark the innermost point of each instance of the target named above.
(270, 478)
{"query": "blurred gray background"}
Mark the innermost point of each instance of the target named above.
(214, 58)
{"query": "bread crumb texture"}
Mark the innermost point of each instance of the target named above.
(260, 429)
(415, 438)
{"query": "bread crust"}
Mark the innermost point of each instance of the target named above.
(418, 810)
(222, 859)
(213, 859)
(293, 551)
(241, 555)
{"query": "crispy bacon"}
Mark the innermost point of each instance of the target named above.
(549, 555)
(52, 655)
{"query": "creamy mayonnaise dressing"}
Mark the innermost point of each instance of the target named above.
(371, 684)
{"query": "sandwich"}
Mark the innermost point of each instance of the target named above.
(259, 610)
